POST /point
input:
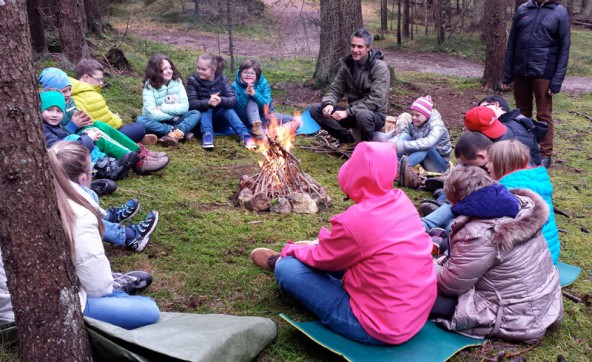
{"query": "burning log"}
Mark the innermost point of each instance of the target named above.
(280, 179)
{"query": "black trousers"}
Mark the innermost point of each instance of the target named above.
(366, 121)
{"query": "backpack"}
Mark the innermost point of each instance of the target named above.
(537, 128)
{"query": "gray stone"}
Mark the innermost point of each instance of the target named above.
(302, 203)
(259, 202)
(280, 206)
(244, 197)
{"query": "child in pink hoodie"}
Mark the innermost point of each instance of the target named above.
(371, 278)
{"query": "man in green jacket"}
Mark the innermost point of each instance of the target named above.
(365, 80)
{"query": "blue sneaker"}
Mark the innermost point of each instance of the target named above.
(207, 140)
(123, 212)
(143, 231)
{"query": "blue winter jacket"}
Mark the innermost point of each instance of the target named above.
(537, 179)
(538, 45)
(54, 134)
(262, 96)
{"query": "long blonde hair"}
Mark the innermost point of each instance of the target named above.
(507, 156)
(67, 161)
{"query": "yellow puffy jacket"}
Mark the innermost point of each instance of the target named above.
(88, 98)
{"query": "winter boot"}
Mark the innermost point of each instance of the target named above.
(149, 164)
(110, 168)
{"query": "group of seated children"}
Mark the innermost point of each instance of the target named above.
(376, 282)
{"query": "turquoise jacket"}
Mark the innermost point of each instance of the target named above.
(537, 179)
(262, 96)
(176, 105)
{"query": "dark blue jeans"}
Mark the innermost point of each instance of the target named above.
(186, 123)
(220, 115)
(134, 131)
(323, 294)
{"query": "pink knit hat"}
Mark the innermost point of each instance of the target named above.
(423, 105)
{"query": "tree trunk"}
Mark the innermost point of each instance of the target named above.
(383, 15)
(339, 19)
(406, 32)
(399, 22)
(36, 27)
(570, 9)
(94, 23)
(440, 14)
(494, 33)
(196, 8)
(586, 10)
(230, 38)
(72, 36)
(40, 274)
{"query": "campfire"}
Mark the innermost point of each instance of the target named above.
(281, 185)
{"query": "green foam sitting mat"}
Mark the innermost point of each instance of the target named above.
(567, 273)
(183, 337)
(432, 343)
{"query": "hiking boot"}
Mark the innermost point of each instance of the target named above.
(149, 140)
(257, 129)
(143, 231)
(427, 206)
(189, 137)
(129, 160)
(265, 258)
(149, 164)
(110, 168)
(207, 140)
(131, 282)
(248, 142)
(407, 176)
(176, 134)
(546, 162)
(168, 141)
(103, 186)
(433, 183)
(143, 152)
(123, 212)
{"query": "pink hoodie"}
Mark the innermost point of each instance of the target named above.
(382, 245)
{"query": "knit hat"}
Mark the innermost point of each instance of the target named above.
(482, 119)
(423, 105)
(52, 99)
(53, 78)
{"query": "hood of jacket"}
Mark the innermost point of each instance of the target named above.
(508, 116)
(535, 3)
(511, 231)
(370, 172)
(373, 54)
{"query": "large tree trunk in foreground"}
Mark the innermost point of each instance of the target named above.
(41, 277)
(494, 33)
(72, 36)
(339, 19)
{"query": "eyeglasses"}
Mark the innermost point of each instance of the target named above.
(100, 80)
(249, 73)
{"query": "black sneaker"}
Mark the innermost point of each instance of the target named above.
(103, 186)
(131, 282)
(434, 183)
(124, 212)
(143, 231)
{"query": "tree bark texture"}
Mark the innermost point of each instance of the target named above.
(383, 15)
(440, 18)
(72, 36)
(494, 33)
(41, 277)
(36, 27)
(94, 21)
(230, 35)
(406, 19)
(339, 19)
(586, 11)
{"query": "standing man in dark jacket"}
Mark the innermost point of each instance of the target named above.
(536, 61)
(365, 80)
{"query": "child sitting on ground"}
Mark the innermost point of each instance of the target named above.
(371, 278)
(499, 280)
(166, 109)
(209, 92)
(110, 141)
(101, 297)
(134, 237)
(52, 112)
(424, 141)
(86, 93)
(253, 95)
(508, 163)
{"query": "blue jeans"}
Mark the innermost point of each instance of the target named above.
(219, 116)
(430, 159)
(134, 131)
(323, 294)
(114, 233)
(186, 123)
(123, 310)
(442, 217)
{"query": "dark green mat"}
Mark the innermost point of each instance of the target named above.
(430, 344)
(567, 273)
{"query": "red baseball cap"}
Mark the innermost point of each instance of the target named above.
(482, 119)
